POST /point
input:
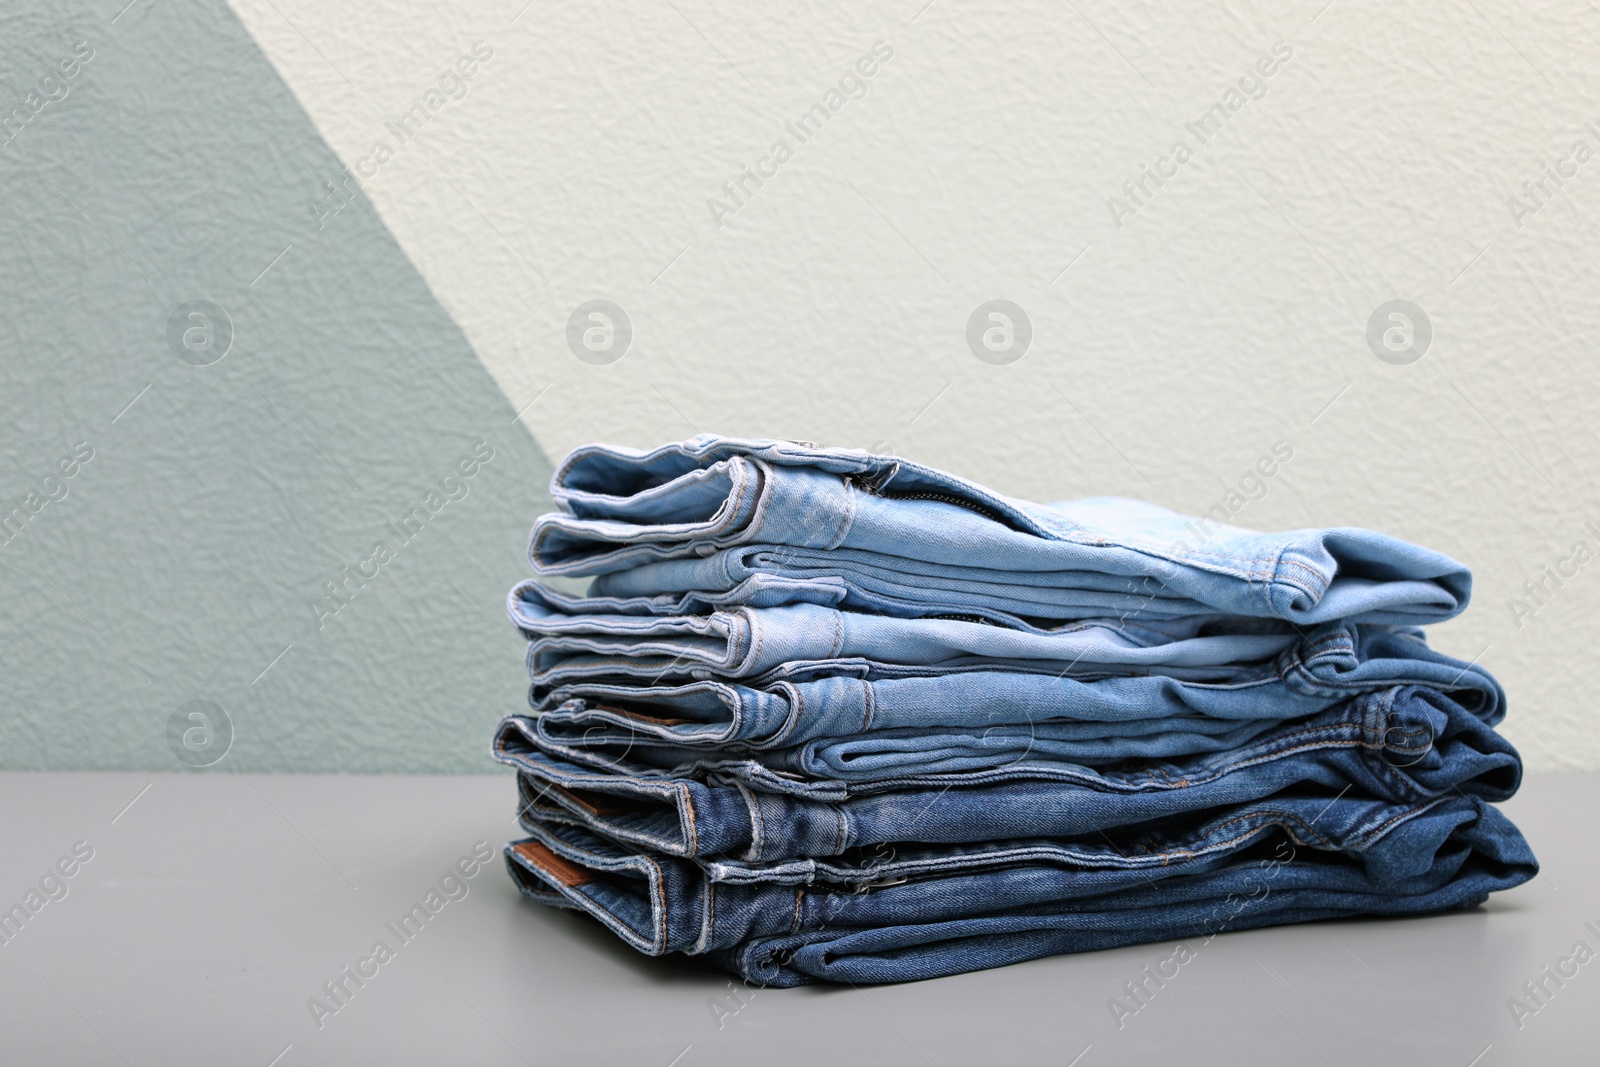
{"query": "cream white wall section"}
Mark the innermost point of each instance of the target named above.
(1227, 313)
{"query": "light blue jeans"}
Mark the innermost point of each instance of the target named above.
(767, 522)
(749, 642)
(1101, 714)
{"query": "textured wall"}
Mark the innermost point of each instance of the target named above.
(1178, 331)
(1176, 337)
(186, 556)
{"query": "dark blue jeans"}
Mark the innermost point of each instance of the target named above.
(895, 914)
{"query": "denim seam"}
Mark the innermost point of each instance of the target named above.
(713, 529)
(708, 926)
(848, 519)
(625, 666)
(757, 830)
(749, 964)
(1258, 571)
(1259, 820)
(1323, 647)
(622, 928)
(537, 541)
(796, 714)
(1295, 573)
(732, 505)
(1382, 827)
(687, 818)
(1253, 581)
(1210, 560)
(1301, 680)
(1273, 750)
(558, 480)
(1277, 751)
(1296, 664)
(659, 890)
(736, 720)
(1362, 740)
(552, 776)
(1234, 565)
(763, 502)
(1402, 783)
(626, 931)
(1288, 818)
(585, 648)
(758, 637)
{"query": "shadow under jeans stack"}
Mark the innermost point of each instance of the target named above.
(831, 716)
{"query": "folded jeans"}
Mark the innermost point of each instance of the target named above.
(622, 508)
(918, 912)
(809, 702)
(1397, 745)
(749, 642)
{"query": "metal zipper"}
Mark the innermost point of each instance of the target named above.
(875, 485)
(979, 619)
(945, 498)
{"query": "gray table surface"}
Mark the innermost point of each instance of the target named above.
(215, 906)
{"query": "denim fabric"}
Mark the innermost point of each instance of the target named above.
(1329, 665)
(920, 912)
(625, 511)
(771, 576)
(748, 642)
(1398, 745)
(836, 767)
(826, 715)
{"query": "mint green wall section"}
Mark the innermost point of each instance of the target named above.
(188, 558)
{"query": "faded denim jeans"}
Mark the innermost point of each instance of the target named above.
(1396, 745)
(768, 522)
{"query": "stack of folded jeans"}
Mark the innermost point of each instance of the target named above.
(829, 715)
